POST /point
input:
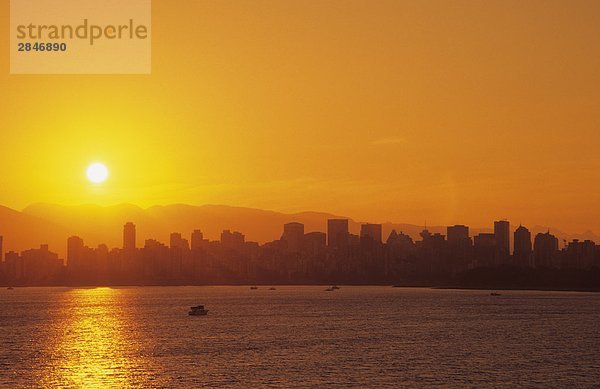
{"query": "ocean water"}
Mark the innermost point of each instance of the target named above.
(297, 336)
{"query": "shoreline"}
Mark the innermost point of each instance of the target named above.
(405, 286)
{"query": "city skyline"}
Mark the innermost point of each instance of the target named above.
(298, 256)
(54, 222)
(338, 234)
(448, 112)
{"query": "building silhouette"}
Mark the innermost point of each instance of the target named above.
(129, 238)
(403, 241)
(522, 254)
(75, 254)
(580, 255)
(197, 240)
(39, 265)
(176, 241)
(232, 240)
(502, 235)
(545, 249)
(13, 266)
(457, 234)
(338, 236)
(293, 234)
(372, 232)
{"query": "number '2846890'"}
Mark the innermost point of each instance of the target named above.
(37, 46)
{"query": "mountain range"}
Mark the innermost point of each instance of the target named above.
(52, 224)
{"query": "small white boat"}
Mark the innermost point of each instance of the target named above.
(329, 290)
(198, 311)
(335, 287)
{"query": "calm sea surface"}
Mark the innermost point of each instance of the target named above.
(297, 336)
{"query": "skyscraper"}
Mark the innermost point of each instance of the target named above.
(197, 238)
(232, 240)
(337, 233)
(371, 231)
(129, 236)
(502, 235)
(522, 249)
(293, 234)
(1, 249)
(177, 241)
(74, 251)
(545, 249)
(457, 234)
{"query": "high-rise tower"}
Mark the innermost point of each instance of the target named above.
(129, 236)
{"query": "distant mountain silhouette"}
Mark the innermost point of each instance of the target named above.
(52, 224)
(22, 231)
(97, 224)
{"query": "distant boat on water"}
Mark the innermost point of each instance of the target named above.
(271, 288)
(253, 287)
(335, 287)
(329, 290)
(10, 288)
(495, 294)
(198, 311)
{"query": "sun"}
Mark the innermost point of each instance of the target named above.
(97, 173)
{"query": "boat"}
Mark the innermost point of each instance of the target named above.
(271, 288)
(253, 287)
(198, 311)
(495, 294)
(10, 288)
(334, 287)
(329, 290)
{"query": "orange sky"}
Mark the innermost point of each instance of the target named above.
(450, 112)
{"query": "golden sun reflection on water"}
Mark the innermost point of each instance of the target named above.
(91, 349)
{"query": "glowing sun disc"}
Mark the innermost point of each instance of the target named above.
(97, 173)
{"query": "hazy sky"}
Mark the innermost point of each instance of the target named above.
(445, 111)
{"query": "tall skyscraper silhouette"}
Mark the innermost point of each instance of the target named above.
(293, 234)
(502, 235)
(522, 248)
(177, 241)
(545, 249)
(197, 238)
(129, 236)
(337, 233)
(232, 240)
(371, 231)
(74, 249)
(457, 234)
